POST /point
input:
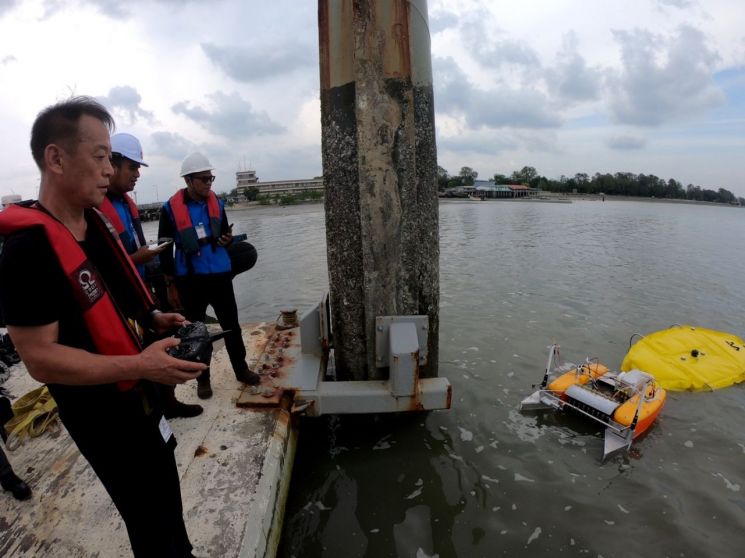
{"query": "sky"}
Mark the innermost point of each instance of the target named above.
(565, 86)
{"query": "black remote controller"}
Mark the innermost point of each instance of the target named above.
(196, 343)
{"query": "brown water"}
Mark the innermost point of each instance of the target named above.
(483, 479)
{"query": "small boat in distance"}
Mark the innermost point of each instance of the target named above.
(626, 403)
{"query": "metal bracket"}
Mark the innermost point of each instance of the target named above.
(310, 332)
(315, 329)
(382, 333)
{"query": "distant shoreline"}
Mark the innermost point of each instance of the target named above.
(608, 197)
(547, 199)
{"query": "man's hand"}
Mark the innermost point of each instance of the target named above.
(225, 239)
(143, 255)
(157, 365)
(50, 362)
(164, 322)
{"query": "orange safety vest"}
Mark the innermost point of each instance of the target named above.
(108, 328)
(108, 209)
(184, 226)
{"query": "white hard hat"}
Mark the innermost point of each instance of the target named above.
(127, 146)
(196, 162)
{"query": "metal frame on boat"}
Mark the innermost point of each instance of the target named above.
(626, 403)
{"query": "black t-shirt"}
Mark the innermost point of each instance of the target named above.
(34, 291)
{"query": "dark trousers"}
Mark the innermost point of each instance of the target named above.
(216, 290)
(124, 446)
(5, 468)
(6, 413)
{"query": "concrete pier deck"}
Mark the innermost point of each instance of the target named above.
(235, 465)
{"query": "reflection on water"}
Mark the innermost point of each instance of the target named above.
(483, 479)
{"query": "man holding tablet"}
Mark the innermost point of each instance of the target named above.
(118, 206)
(121, 210)
(198, 271)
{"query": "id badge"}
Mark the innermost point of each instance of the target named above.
(165, 429)
(201, 232)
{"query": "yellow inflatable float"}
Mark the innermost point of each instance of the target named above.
(685, 357)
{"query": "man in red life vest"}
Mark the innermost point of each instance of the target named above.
(198, 271)
(121, 210)
(76, 308)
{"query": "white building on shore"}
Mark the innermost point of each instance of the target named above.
(245, 179)
(248, 179)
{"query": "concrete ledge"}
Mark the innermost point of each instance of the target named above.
(235, 466)
(264, 524)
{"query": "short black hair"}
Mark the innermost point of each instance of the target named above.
(117, 159)
(59, 124)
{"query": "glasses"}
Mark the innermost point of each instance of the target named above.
(206, 179)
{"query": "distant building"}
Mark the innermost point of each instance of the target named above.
(248, 179)
(489, 189)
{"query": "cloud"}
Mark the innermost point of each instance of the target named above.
(8, 59)
(520, 108)
(626, 142)
(450, 83)
(477, 33)
(663, 79)
(51, 7)
(7, 5)
(115, 9)
(490, 144)
(306, 163)
(442, 20)
(503, 106)
(569, 78)
(250, 64)
(172, 146)
(542, 141)
(505, 52)
(124, 99)
(231, 116)
(676, 3)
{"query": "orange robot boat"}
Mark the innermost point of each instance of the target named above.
(626, 403)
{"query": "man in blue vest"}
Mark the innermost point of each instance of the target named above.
(120, 209)
(198, 272)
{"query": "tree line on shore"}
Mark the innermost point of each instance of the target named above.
(616, 184)
(252, 194)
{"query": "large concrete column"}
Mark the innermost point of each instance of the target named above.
(380, 172)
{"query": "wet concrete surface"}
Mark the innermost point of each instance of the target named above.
(234, 465)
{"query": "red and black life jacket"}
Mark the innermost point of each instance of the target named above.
(107, 327)
(184, 226)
